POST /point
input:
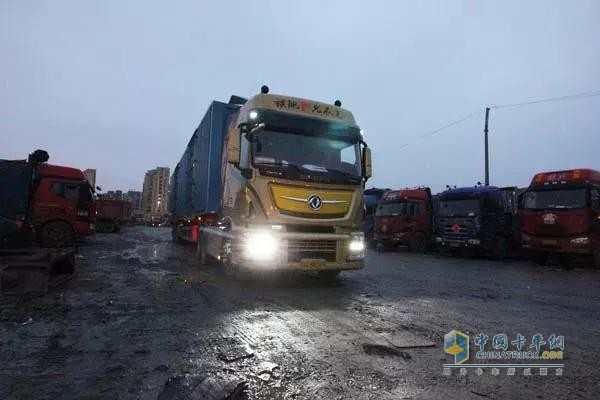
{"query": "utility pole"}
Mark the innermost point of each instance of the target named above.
(487, 156)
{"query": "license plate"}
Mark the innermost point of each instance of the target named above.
(313, 264)
(548, 242)
(454, 244)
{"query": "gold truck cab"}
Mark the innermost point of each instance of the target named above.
(293, 184)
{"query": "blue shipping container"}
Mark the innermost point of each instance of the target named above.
(196, 180)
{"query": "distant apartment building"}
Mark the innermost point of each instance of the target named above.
(112, 195)
(155, 192)
(135, 198)
(90, 175)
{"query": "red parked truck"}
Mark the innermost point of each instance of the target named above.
(404, 217)
(112, 214)
(56, 203)
(561, 214)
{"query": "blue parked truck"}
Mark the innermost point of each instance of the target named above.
(480, 219)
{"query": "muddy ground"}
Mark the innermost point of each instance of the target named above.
(141, 320)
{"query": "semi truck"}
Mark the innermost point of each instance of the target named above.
(274, 182)
(54, 203)
(40, 204)
(561, 215)
(481, 219)
(112, 214)
(405, 217)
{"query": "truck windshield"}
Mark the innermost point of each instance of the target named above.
(403, 208)
(551, 199)
(308, 154)
(459, 208)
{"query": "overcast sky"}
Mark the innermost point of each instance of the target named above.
(121, 85)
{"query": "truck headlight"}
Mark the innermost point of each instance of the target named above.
(260, 245)
(356, 246)
(357, 242)
(474, 241)
(580, 240)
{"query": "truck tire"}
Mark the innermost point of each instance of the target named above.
(499, 249)
(201, 251)
(329, 277)
(174, 235)
(417, 243)
(596, 258)
(56, 234)
(537, 257)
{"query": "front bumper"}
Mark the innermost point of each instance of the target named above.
(397, 238)
(557, 245)
(455, 243)
(304, 251)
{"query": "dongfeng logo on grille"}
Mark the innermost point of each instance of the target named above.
(314, 202)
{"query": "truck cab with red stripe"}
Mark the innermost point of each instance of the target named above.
(561, 214)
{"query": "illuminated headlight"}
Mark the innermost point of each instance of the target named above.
(356, 246)
(260, 245)
(474, 241)
(357, 242)
(580, 240)
(438, 239)
(253, 115)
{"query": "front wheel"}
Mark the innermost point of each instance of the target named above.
(57, 234)
(596, 258)
(329, 277)
(417, 243)
(537, 257)
(500, 248)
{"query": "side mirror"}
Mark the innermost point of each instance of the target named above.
(367, 168)
(233, 148)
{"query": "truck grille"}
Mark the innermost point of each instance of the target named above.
(464, 231)
(303, 248)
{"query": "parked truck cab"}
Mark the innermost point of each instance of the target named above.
(482, 218)
(371, 198)
(561, 214)
(63, 205)
(59, 201)
(404, 217)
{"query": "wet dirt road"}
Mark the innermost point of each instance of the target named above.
(141, 320)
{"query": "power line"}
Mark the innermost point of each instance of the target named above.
(451, 124)
(593, 93)
(549, 100)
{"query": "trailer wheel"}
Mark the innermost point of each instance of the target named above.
(56, 234)
(201, 251)
(417, 243)
(174, 236)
